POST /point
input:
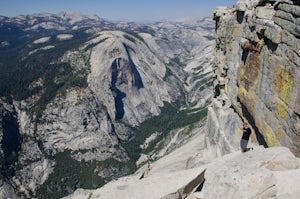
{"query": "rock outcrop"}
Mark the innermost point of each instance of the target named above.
(262, 173)
(257, 70)
(128, 78)
(7, 190)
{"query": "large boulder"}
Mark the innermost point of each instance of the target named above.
(261, 173)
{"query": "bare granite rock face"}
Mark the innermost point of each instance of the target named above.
(7, 190)
(262, 173)
(257, 70)
(127, 78)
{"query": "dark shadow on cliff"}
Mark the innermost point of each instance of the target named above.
(136, 75)
(260, 138)
(240, 16)
(296, 2)
(118, 94)
(11, 144)
(119, 75)
(271, 45)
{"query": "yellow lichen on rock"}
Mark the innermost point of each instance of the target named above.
(243, 90)
(284, 83)
(287, 88)
(270, 138)
(282, 109)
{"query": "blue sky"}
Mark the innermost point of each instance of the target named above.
(132, 10)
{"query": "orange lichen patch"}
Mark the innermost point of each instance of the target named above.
(247, 79)
(284, 82)
(252, 68)
(249, 70)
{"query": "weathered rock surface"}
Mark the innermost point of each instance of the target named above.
(260, 173)
(127, 78)
(78, 123)
(6, 190)
(257, 68)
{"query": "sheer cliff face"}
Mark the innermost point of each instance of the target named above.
(257, 67)
(132, 88)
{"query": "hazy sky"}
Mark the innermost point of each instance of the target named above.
(133, 10)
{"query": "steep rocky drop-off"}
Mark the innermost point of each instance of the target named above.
(85, 100)
(262, 173)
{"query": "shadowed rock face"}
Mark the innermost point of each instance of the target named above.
(124, 73)
(120, 76)
(258, 67)
(127, 78)
(11, 141)
(137, 80)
